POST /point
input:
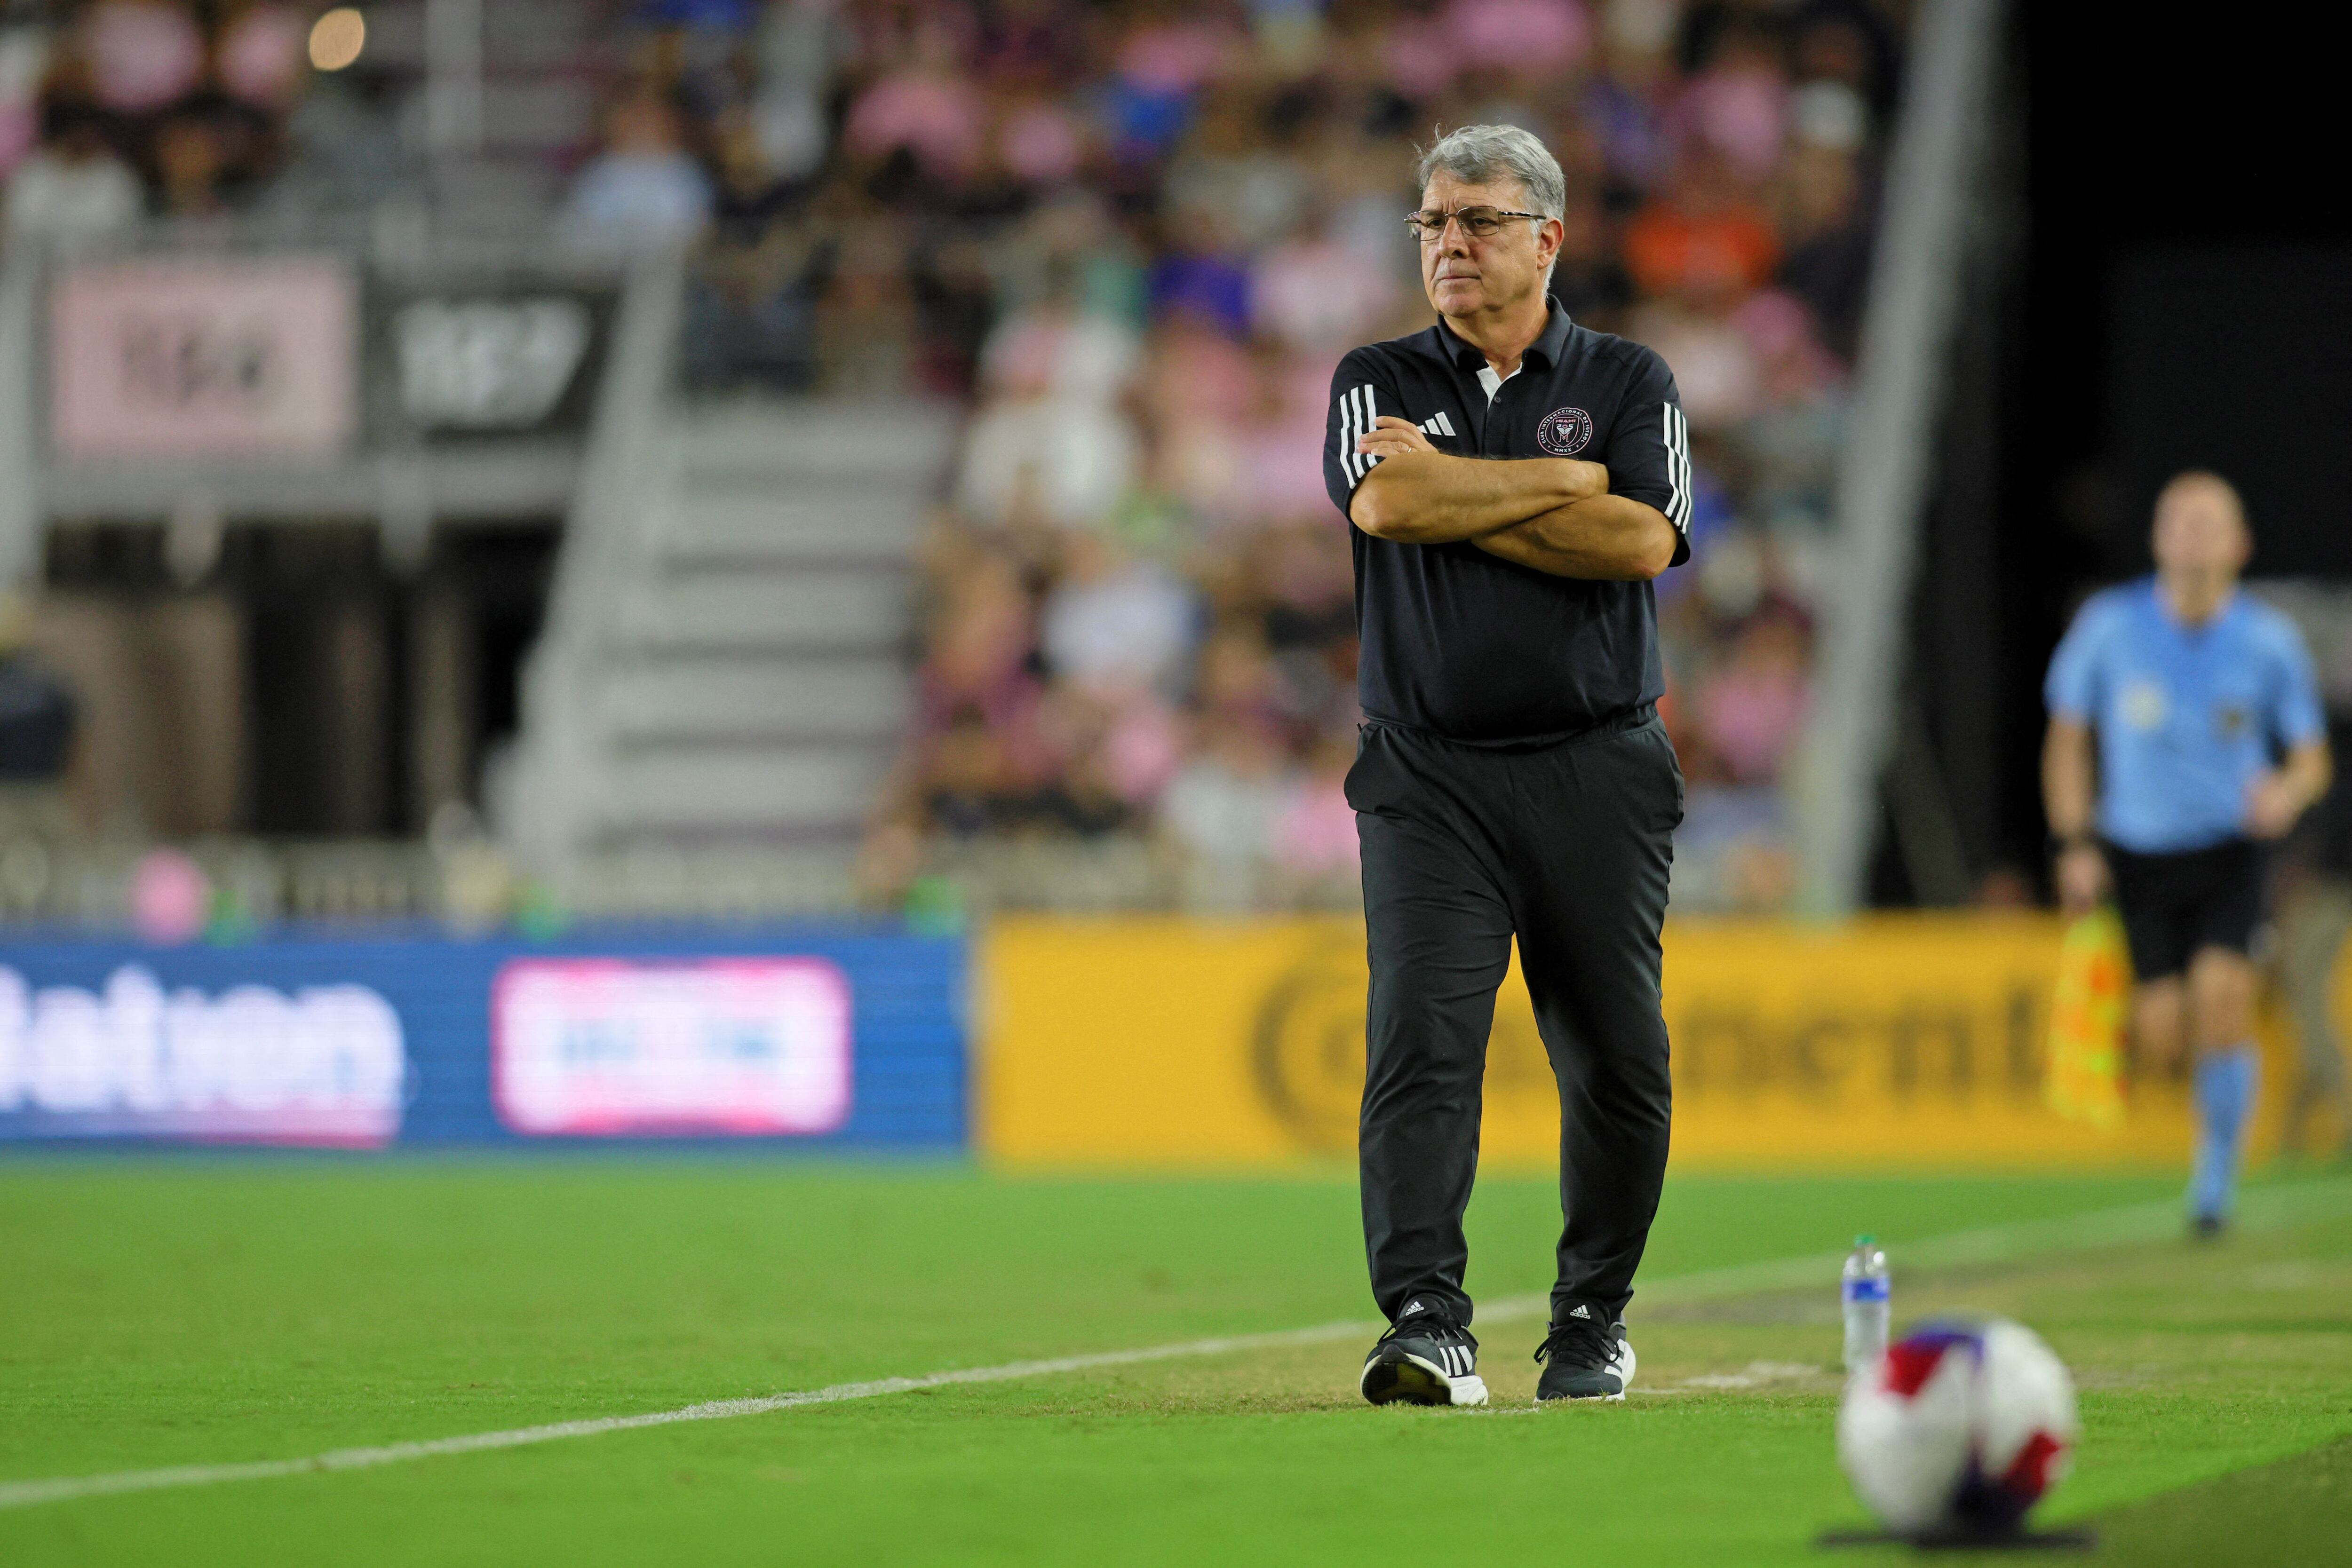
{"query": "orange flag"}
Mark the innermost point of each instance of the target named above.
(2084, 1081)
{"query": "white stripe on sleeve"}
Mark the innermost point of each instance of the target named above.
(1356, 464)
(1690, 478)
(1676, 431)
(1346, 436)
(1356, 418)
(1674, 464)
(1356, 429)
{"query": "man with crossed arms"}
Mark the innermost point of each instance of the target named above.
(1512, 482)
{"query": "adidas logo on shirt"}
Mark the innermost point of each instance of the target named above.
(1437, 424)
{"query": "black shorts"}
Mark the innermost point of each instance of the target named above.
(2174, 905)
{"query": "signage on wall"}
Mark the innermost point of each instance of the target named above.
(488, 364)
(204, 358)
(1899, 1041)
(319, 1065)
(809, 1036)
(608, 1047)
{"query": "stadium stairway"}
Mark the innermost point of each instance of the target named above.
(724, 681)
(759, 687)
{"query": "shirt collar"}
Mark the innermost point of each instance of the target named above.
(1549, 344)
(2171, 617)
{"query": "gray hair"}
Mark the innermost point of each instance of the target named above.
(1478, 154)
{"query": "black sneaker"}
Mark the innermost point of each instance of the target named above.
(1585, 1356)
(1425, 1358)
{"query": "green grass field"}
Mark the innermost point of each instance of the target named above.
(159, 1313)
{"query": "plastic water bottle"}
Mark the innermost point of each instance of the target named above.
(1867, 1305)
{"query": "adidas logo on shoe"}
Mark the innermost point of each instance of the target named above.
(1585, 1356)
(1427, 1357)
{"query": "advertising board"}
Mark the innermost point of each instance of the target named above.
(1894, 1041)
(321, 1064)
(602, 1046)
(203, 358)
(472, 363)
(825, 1038)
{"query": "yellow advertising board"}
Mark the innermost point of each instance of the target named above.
(1894, 1040)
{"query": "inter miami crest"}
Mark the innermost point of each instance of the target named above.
(1564, 431)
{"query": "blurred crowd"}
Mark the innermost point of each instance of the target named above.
(1138, 239)
(1135, 237)
(123, 109)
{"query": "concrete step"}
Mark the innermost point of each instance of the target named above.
(808, 438)
(796, 791)
(847, 521)
(772, 609)
(720, 698)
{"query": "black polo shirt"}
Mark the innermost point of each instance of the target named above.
(1465, 645)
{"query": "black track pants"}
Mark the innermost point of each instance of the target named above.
(1567, 848)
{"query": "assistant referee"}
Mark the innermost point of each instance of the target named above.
(1512, 481)
(2186, 734)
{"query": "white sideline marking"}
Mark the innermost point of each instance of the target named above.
(18, 1494)
(1757, 1374)
(2263, 1209)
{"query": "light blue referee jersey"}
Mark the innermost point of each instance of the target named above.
(2186, 716)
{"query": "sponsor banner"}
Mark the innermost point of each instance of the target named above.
(321, 1064)
(827, 1037)
(204, 358)
(1896, 1041)
(600, 1047)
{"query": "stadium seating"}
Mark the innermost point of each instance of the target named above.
(1127, 244)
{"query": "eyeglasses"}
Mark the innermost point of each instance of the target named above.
(1428, 225)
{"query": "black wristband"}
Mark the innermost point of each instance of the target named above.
(2061, 843)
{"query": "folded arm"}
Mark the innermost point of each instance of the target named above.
(1554, 515)
(1601, 538)
(1419, 496)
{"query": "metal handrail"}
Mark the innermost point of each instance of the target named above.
(608, 542)
(20, 487)
(1908, 332)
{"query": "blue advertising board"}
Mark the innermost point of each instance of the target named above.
(827, 1037)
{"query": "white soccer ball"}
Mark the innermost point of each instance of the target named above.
(1960, 1428)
